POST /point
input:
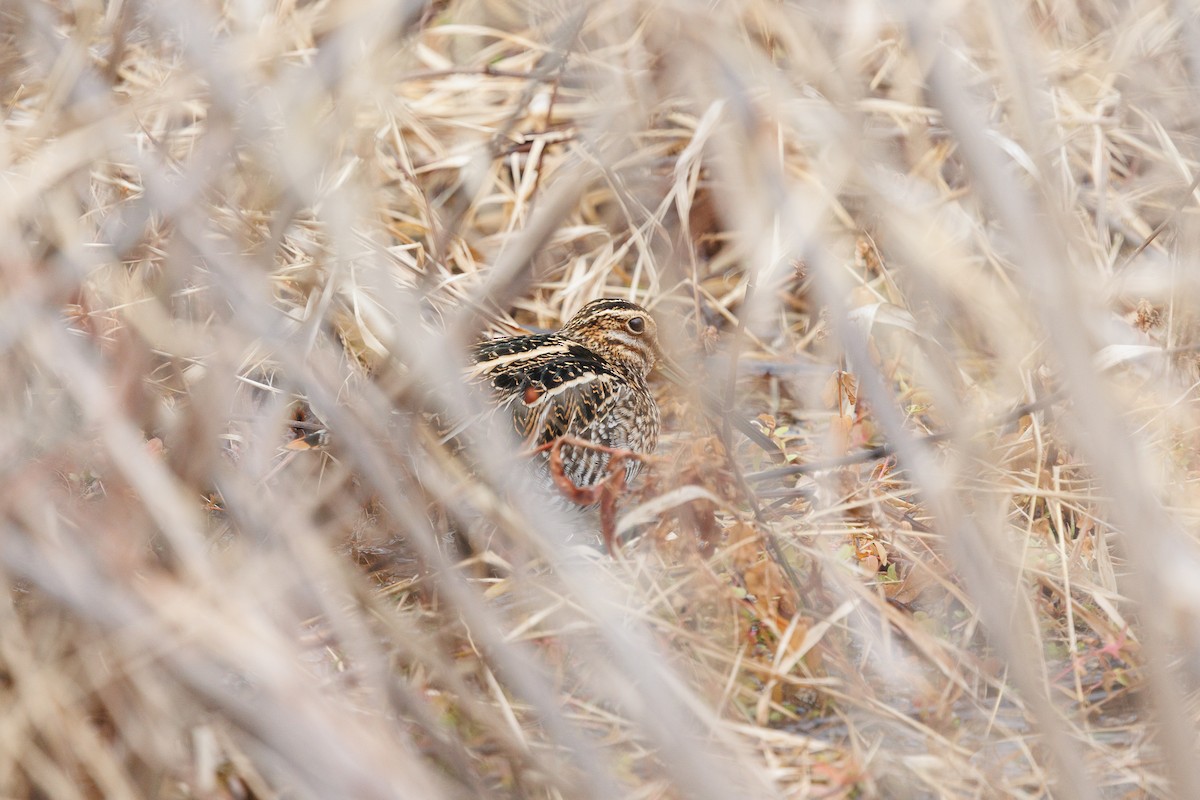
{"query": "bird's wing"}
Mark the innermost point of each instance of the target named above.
(552, 389)
(571, 408)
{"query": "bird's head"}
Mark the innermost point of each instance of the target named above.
(621, 332)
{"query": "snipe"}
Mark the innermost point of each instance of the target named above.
(579, 396)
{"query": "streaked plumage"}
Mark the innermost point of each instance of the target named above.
(587, 380)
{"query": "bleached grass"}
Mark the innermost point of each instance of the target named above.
(960, 234)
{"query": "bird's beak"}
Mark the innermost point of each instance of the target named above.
(671, 370)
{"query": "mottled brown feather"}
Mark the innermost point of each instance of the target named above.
(587, 380)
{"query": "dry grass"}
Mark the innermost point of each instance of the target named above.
(924, 526)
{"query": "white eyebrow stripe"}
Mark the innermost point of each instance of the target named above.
(484, 367)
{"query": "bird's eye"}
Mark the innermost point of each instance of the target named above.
(636, 325)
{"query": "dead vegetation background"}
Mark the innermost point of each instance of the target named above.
(924, 524)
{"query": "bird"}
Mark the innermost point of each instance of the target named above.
(578, 397)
